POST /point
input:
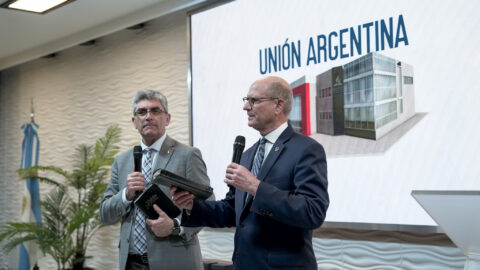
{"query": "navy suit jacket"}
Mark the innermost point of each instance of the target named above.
(274, 229)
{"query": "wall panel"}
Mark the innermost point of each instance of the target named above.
(80, 92)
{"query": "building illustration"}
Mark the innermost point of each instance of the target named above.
(366, 98)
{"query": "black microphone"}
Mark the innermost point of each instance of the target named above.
(137, 160)
(238, 147)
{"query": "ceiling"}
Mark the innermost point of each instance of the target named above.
(25, 36)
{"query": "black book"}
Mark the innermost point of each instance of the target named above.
(169, 179)
(154, 195)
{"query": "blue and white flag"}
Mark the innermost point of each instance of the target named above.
(29, 252)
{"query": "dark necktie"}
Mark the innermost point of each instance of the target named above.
(257, 163)
(259, 157)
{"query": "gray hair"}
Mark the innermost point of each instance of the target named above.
(148, 94)
(282, 89)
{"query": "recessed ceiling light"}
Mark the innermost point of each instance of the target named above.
(37, 6)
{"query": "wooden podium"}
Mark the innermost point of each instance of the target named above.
(458, 214)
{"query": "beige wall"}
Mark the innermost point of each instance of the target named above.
(76, 96)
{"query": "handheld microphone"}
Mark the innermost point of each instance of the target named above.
(137, 160)
(238, 147)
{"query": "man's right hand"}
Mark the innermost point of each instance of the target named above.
(135, 182)
(182, 198)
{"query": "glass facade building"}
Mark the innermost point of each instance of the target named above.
(373, 96)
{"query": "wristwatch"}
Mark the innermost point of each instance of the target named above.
(176, 227)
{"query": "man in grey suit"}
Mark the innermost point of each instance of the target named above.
(144, 243)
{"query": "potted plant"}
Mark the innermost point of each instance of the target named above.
(68, 222)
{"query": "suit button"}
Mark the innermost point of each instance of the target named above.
(242, 225)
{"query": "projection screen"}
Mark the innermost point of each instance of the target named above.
(389, 88)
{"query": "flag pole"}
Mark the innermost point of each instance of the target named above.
(29, 252)
(32, 114)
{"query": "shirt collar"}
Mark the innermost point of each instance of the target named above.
(273, 135)
(156, 145)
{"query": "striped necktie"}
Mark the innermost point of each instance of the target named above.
(258, 161)
(140, 237)
(259, 157)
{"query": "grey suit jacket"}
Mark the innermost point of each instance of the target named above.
(175, 252)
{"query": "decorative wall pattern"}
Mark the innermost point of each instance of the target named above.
(339, 254)
(80, 92)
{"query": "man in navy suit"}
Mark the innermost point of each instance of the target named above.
(281, 188)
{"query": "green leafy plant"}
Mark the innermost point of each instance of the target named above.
(68, 222)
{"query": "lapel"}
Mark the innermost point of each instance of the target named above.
(272, 157)
(165, 153)
(274, 153)
(163, 158)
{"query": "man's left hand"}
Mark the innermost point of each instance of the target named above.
(241, 178)
(163, 225)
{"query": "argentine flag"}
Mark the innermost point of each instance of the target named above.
(29, 252)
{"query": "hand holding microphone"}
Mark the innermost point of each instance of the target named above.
(135, 180)
(241, 178)
(237, 176)
(238, 147)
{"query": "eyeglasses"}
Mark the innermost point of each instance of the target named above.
(153, 111)
(252, 101)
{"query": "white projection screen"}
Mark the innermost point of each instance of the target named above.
(389, 88)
